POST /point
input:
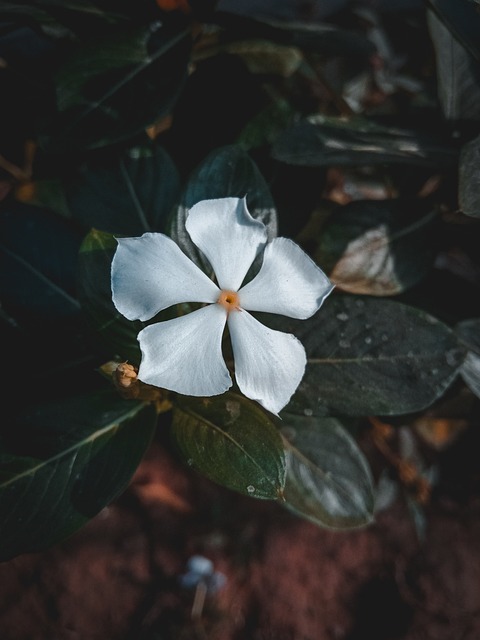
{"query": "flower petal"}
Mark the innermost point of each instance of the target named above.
(288, 283)
(230, 238)
(151, 273)
(269, 365)
(185, 354)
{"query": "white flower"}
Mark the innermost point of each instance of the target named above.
(151, 273)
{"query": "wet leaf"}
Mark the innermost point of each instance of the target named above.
(129, 194)
(63, 462)
(469, 178)
(328, 478)
(369, 356)
(322, 141)
(230, 440)
(378, 247)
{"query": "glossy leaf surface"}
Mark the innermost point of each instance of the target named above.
(328, 478)
(370, 356)
(233, 442)
(322, 141)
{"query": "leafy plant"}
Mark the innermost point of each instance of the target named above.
(127, 116)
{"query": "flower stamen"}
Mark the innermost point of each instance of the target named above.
(229, 300)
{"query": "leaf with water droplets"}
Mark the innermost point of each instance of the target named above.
(230, 440)
(370, 356)
(328, 478)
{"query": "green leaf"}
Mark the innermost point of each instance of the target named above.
(369, 356)
(230, 440)
(62, 462)
(328, 478)
(95, 294)
(457, 71)
(462, 20)
(322, 141)
(63, 19)
(468, 332)
(378, 247)
(264, 128)
(129, 194)
(38, 252)
(226, 172)
(468, 178)
(110, 89)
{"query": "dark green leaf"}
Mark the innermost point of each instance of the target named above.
(95, 293)
(225, 172)
(468, 332)
(233, 442)
(128, 195)
(61, 19)
(369, 356)
(61, 463)
(462, 20)
(378, 247)
(38, 252)
(112, 88)
(322, 141)
(457, 72)
(328, 479)
(264, 128)
(469, 178)
(312, 37)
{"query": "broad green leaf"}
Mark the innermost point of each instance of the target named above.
(469, 178)
(230, 440)
(468, 332)
(38, 252)
(378, 247)
(62, 462)
(328, 478)
(95, 293)
(111, 88)
(369, 356)
(225, 172)
(321, 141)
(129, 194)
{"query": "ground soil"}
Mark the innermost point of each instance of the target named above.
(286, 579)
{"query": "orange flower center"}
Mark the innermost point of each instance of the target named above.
(229, 300)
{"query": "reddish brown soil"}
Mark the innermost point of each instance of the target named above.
(117, 579)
